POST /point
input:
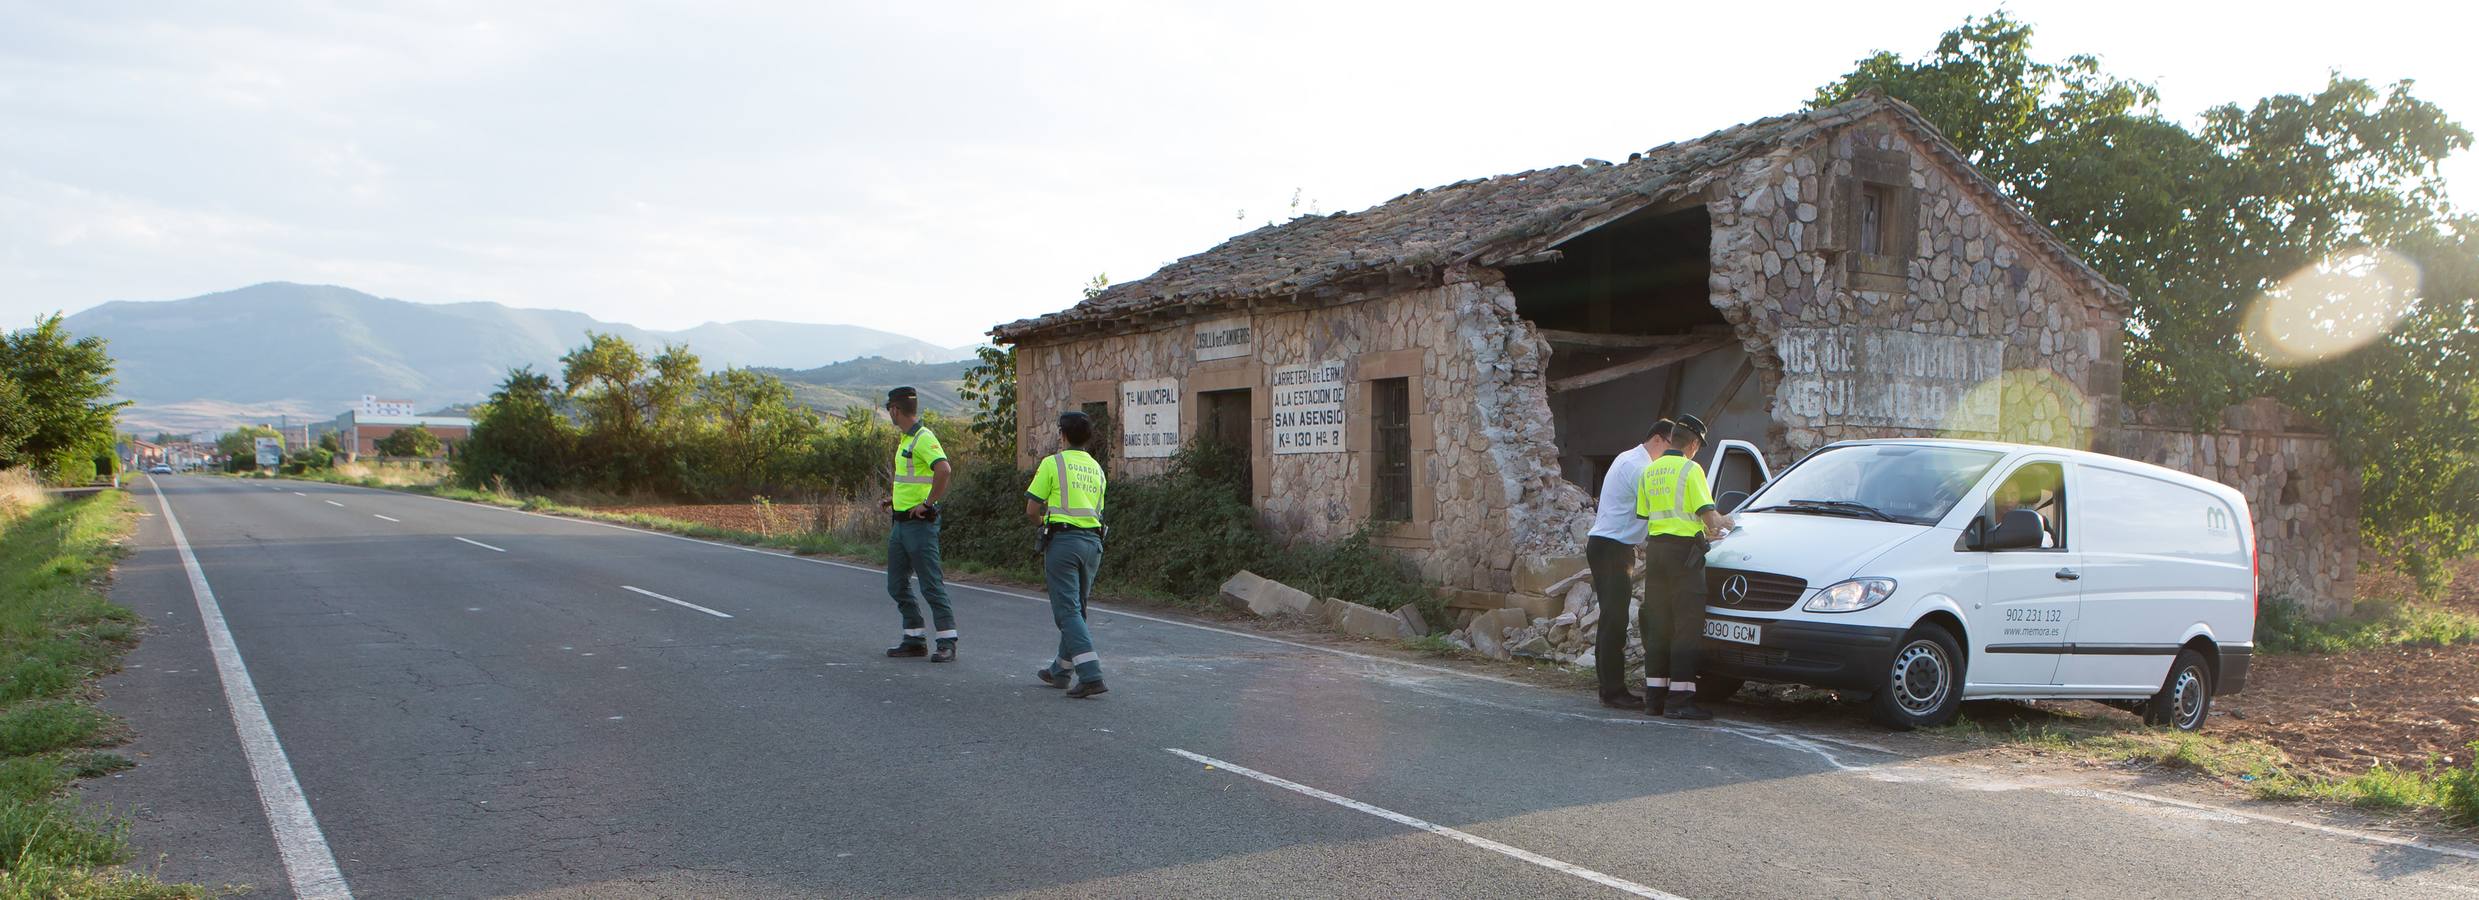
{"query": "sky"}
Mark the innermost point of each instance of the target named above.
(931, 169)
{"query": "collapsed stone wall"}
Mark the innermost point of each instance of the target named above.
(2304, 498)
(1987, 337)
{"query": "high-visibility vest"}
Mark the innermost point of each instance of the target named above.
(916, 464)
(1672, 496)
(1070, 486)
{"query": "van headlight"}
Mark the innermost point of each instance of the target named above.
(1852, 596)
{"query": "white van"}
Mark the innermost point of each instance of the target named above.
(1928, 572)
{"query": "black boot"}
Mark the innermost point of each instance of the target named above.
(910, 647)
(1085, 689)
(1622, 700)
(1653, 699)
(946, 651)
(1052, 678)
(1682, 705)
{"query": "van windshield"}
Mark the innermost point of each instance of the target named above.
(1888, 482)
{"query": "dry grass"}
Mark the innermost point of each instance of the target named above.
(20, 494)
(392, 474)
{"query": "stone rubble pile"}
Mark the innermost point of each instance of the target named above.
(1506, 633)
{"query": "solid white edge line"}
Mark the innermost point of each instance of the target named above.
(1751, 731)
(719, 615)
(481, 545)
(333, 503)
(308, 863)
(389, 518)
(1556, 865)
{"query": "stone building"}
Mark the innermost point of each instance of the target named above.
(1459, 364)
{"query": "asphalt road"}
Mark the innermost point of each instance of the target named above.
(473, 702)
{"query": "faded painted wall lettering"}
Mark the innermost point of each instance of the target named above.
(1891, 379)
(1149, 417)
(1308, 408)
(1225, 339)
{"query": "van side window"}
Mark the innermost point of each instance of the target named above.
(2039, 487)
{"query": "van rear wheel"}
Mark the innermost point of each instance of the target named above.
(2186, 698)
(1923, 686)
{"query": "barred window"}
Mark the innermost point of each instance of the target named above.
(1391, 465)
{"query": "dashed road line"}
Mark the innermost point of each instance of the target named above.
(1556, 865)
(482, 545)
(308, 863)
(334, 504)
(719, 615)
(377, 516)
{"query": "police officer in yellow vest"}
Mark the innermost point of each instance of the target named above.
(921, 474)
(1065, 499)
(1679, 517)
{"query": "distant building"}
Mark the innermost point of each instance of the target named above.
(372, 405)
(360, 433)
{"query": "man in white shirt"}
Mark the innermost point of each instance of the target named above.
(1611, 552)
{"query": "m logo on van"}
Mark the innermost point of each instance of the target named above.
(1734, 590)
(2216, 519)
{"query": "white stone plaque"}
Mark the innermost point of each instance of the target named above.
(1891, 379)
(1308, 408)
(1149, 417)
(1225, 339)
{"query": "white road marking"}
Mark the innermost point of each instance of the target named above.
(1748, 731)
(1555, 865)
(719, 615)
(299, 494)
(377, 516)
(481, 545)
(334, 504)
(308, 863)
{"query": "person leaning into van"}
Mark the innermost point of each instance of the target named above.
(1065, 499)
(1679, 517)
(1611, 551)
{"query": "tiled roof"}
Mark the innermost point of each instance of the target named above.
(1424, 231)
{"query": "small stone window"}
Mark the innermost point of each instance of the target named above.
(1103, 430)
(1878, 220)
(1872, 220)
(1390, 481)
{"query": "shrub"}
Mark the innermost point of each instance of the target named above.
(20, 494)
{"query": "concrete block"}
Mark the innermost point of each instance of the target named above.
(1480, 600)
(1365, 622)
(1265, 597)
(1487, 642)
(1412, 619)
(1536, 606)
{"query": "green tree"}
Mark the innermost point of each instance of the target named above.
(59, 419)
(239, 447)
(990, 386)
(329, 443)
(852, 454)
(416, 442)
(519, 441)
(635, 410)
(753, 433)
(2198, 224)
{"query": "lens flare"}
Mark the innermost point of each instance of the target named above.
(2339, 304)
(2024, 406)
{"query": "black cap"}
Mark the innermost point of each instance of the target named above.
(1074, 416)
(1692, 424)
(902, 393)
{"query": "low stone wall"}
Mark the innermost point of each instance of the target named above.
(2304, 497)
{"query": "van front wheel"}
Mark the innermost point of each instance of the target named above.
(1923, 686)
(2186, 698)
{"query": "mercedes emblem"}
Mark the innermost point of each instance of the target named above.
(1734, 591)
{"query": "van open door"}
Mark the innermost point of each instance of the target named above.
(1736, 469)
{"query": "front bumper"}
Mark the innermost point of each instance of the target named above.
(1799, 651)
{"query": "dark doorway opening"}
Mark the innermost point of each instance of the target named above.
(1223, 419)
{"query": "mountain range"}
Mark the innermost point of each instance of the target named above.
(311, 351)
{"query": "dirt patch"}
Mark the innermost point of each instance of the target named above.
(2343, 712)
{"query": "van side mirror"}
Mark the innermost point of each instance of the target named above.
(2019, 530)
(1730, 501)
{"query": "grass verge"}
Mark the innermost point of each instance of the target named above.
(2374, 624)
(58, 633)
(2446, 787)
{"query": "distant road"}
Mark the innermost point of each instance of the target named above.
(477, 702)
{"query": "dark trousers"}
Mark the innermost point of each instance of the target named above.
(1068, 567)
(1613, 581)
(1673, 619)
(912, 550)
